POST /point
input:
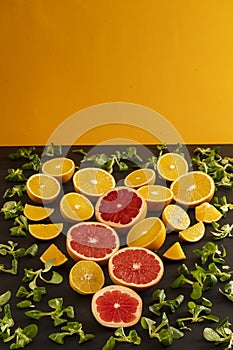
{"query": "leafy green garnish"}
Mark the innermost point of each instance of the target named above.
(224, 231)
(56, 314)
(22, 336)
(16, 175)
(222, 205)
(221, 334)
(52, 150)
(15, 190)
(22, 152)
(211, 162)
(20, 227)
(121, 337)
(16, 254)
(165, 333)
(159, 298)
(71, 328)
(36, 293)
(12, 209)
(228, 290)
(199, 313)
(211, 251)
(4, 298)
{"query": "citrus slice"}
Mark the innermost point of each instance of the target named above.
(138, 268)
(140, 177)
(193, 233)
(52, 252)
(207, 213)
(175, 252)
(93, 182)
(37, 213)
(121, 207)
(76, 207)
(193, 188)
(61, 168)
(156, 196)
(116, 306)
(86, 277)
(42, 188)
(92, 241)
(45, 231)
(175, 218)
(148, 233)
(171, 165)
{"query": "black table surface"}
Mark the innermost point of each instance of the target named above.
(192, 339)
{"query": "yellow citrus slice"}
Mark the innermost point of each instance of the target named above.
(148, 233)
(42, 188)
(37, 213)
(93, 182)
(207, 213)
(156, 196)
(175, 252)
(193, 188)
(140, 177)
(52, 252)
(175, 218)
(45, 231)
(86, 277)
(193, 233)
(75, 207)
(171, 165)
(61, 168)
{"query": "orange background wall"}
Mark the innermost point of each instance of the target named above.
(60, 56)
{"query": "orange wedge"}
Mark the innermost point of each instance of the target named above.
(86, 277)
(61, 168)
(171, 165)
(207, 213)
(193, 233)
(42, 188)
(175, 252)
(156, 196)
(175, 218)
(148, 233)
(193, 188)
(93, 182)
(45, 231)
(140, 177)
(37, 213)
(75, 207)
(52, 252)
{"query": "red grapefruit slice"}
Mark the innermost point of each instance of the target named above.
(116, 306)
(138, 268)
(121, 207)
(91, 241)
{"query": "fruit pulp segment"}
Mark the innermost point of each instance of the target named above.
(93, 240)
(95, 182)
(116, 307)
(120, 206)
(136, 266)
(145, 236)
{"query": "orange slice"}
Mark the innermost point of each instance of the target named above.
(61, 168)
(207, 213)
(116, 306)
(45, 231)
(175, 218)
(171, 165)
(93, 182)
(156, 196)
(193, 233)
(52, 252)
(37, 213)
(140, 177)
(193, 188)
(148, 233)
(76, 207)
(42, 188)
(175, 252)
(86, 277)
